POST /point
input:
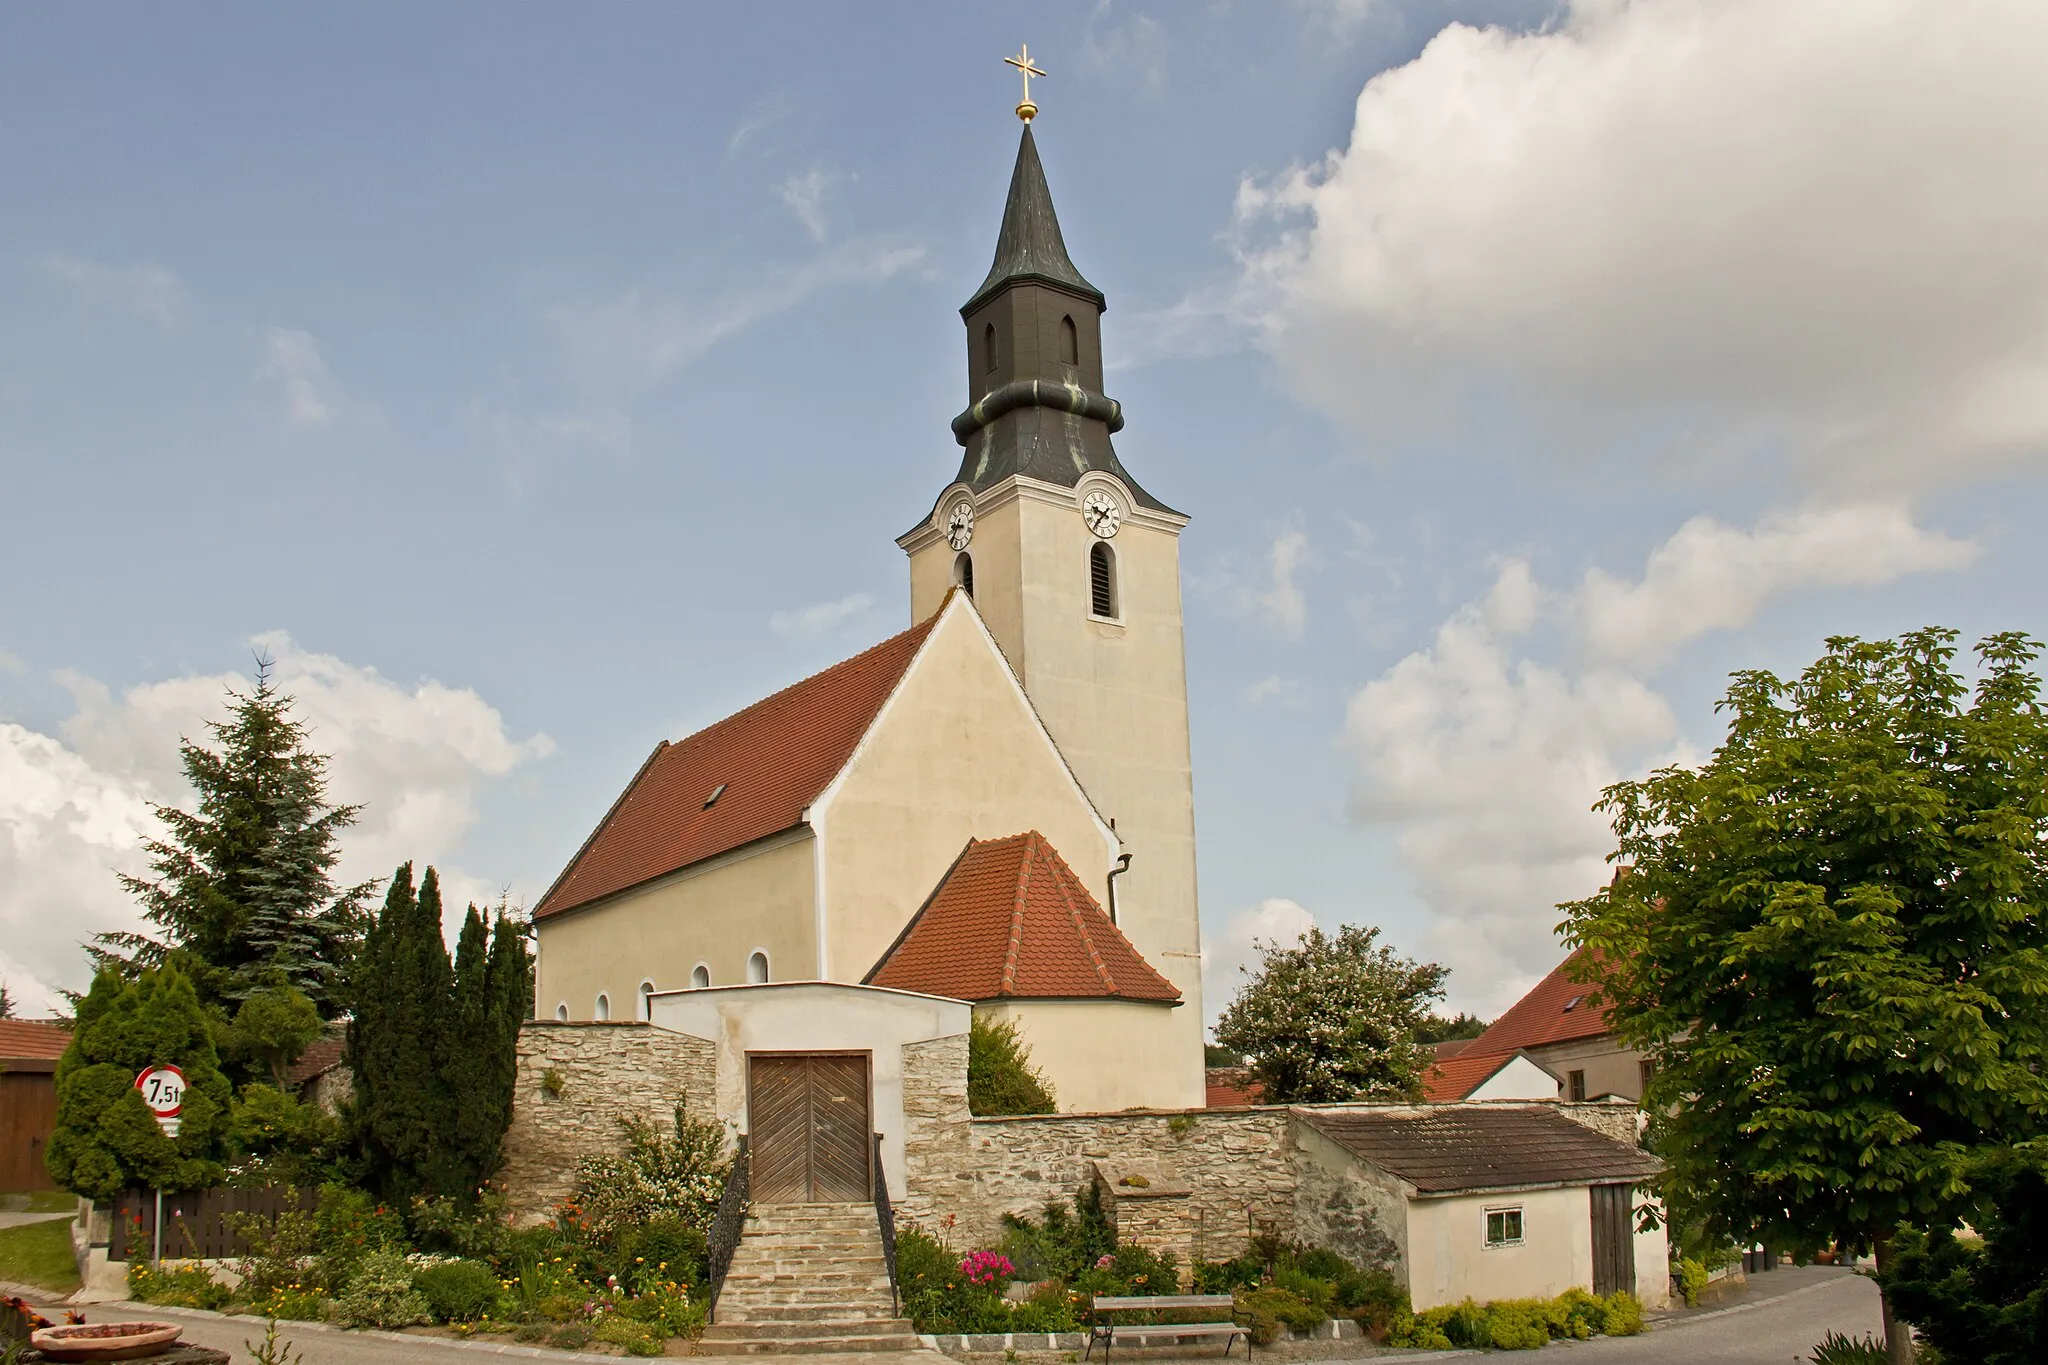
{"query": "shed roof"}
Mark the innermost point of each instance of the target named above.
(33, 1039)
(751, 775)
(1011, 920)
(1452, 1148)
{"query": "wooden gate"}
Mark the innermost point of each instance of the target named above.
(1614, 1243)
(807, 1128)
(28, 1115)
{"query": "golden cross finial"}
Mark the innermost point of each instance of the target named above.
(1025, 67)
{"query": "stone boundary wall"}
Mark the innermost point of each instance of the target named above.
(601, 1073)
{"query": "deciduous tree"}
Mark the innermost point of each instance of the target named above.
(1833, 943)
(1334, 1018)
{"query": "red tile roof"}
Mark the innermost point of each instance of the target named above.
(1556, 1010)
(1451, 1047)
(1232, 1085)
(40, 1039)
(1011, 920)
(768, 763)
(321, 1055)
(1453, 1078)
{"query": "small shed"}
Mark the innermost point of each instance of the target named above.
(1491, 1201)
(29, 1049)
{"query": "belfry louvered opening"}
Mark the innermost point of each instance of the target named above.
(1102, 580)
(963, 572)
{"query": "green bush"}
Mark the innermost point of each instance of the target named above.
(1692, 1278)
(1273, 1308)
(662, 1250)
(637, 1338)
(1000, 1077)
(380, 1293)
(474, 1229)
(1062, 1243)
(677, 1173)
(1984, 1301)
(291, 1304)
(1519, 1324)
(459, 1291)
(669, 1309)
(347, 1226)
(176, 1286)
(1836, 1349)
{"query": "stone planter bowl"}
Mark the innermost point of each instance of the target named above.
(105, 1341)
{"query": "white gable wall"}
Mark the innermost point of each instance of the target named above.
(1520, 1079)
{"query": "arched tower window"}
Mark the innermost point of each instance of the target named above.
(562, 1012)
(757, 969)
(1102, 580)
(700, 977)
(604, 1007)
(1070, 341)
(988, 348)
(963, 573)
(646, 1001)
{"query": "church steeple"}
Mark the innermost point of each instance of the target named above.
(1034, 354)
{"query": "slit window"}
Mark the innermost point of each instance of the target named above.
(963, 572)
(604, 1007)
(646, 1001)
(1070, 342)
(1503, 1227)
(988, 348)
(1102, 580)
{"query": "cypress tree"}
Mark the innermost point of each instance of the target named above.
(468, 1045)
(400, 990)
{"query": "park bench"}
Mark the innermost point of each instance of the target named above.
(1104, 1327)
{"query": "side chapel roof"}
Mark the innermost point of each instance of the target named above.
(748, 776)
(1010, 920)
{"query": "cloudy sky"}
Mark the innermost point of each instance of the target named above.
(534, 384)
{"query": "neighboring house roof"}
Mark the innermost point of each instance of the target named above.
(1232, 1085)
(1557, 1009)
(1452, 1079)
(1451, 1047)
(1481, 1147)
(321, 1055)
(766, 764)
(1010, 920)
(33, 1039)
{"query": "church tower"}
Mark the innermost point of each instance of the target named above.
(1075, 568)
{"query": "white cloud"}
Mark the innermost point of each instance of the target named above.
(804, 196)
(145, 288)
(643, 337)
(1716, 230)
(1273, 596)
(74, 810)
(1485, 762)
(1128, 49)
(292, 359)
(1273, 688)
(1226, 955)
(1709, 576)
(820, 617)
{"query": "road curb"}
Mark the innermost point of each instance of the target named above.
(501, 1348)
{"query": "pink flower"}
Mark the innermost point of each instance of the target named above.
(1104, 1262)
(987, 1267)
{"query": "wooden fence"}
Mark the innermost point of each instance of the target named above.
(198, 1224)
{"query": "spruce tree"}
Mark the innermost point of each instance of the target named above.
(241, 887)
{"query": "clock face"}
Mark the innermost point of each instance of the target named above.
(1102, 513)
(960, 525)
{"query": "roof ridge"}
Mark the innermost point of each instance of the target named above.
(1017, 904)
(1076, 911)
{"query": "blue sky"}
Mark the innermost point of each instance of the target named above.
(536, 383)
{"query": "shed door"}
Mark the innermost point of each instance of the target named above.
(1614, 1246)
(28, 1115)
(808, 1136)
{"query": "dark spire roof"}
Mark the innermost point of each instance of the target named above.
(1030, 246)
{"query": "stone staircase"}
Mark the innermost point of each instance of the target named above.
(807, 1278)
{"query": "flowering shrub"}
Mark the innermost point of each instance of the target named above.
(175, 1286)
(987, 1268)
(675, 1174)
(380, 1293)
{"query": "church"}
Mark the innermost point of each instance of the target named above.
(993, 807)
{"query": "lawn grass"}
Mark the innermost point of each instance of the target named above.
(39, 1254)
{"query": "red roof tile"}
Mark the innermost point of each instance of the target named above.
(1231, 1085)
(768, 763)
(1011, 920)
(321, 1055)
(1453, 1078)
(42, 1039)
(1451, 1047)
(1556, 1010)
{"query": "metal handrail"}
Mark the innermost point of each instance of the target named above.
(729, 1223)
(885, 1218)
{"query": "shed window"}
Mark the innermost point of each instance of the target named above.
(963, 572)
(1102, 580)
(1503, 1227)
(1070, 342)
(604, 1007)
(700, 977)
(1577, 1080)
(988, 348)
(757, 968)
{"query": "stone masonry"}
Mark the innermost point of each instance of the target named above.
(576, 1083)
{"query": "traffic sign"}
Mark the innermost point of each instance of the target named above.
(163, 1090)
